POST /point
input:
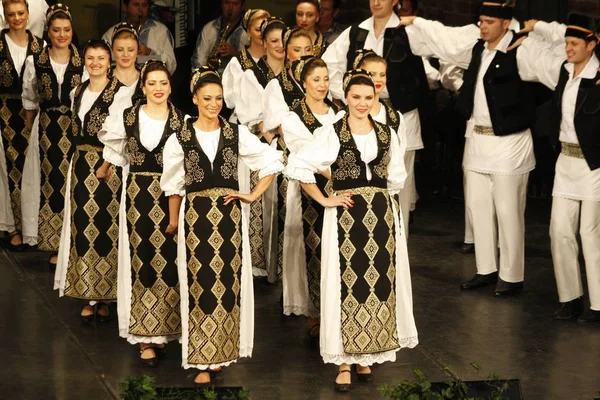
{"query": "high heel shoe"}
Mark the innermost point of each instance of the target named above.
(52, 265)
(368, 377)
(103, 318)
(343, 387)
(203, 384)
(149, 362)
(88, 318)
(15, 248)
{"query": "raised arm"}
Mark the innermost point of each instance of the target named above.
(336, 58)
(538, 62)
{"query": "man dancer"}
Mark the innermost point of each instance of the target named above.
(499, 155)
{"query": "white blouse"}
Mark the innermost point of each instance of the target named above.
(318, 155)
(295, 132)
(31, 99)
(249, 106)
(114, 137)
(17, 53)
(256, 155)
(232, 79)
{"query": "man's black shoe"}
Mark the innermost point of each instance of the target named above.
(589, 316)
(570, 310)
(480, 281)
(467, 248)
(508, 288)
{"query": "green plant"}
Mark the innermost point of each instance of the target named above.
(138, 388)
(453, 389)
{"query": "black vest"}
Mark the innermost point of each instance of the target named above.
(11, 82)
(263, 72)
(245, 59)
(348, 171)
(47, 80)
(307, 116)
(510, 100)
(199, 173)
(587, 116)
(140, 158)
(406, 79)
(290, 89)
(391, 115)
(87, 132)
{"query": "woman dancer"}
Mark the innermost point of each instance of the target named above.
(147, 254)
(304, 217)
(215, 273)
(16, 44)
(49, 78)
(125, 50)
(250, 113)
(366, 296)
(307, 17)
(87, 257)
(246, 59)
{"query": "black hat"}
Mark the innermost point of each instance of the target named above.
(58, 8)
(352, 75)
(497, 8)
(362, 54)
(124, 27)
(583, 26)
(299, 67)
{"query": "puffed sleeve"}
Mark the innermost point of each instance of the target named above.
(259, 156)
(552, 32)
(295, 133)
(537, 62)
(113, 124)
(274, 105)
(249, 108)
(31, 100)
(451, 76)
(452, 44)
(433, 75)
(114, 138)
(232, 77)
(315, 156)
(165, 50)
(396, 169)
(172, 181)
(336, 59)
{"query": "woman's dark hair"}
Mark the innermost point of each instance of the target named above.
(372, 58)
(55, 16)
(153, 66)
(359, 80)
(315, 3)
(97, 44)
(267, 26)
(311, 66)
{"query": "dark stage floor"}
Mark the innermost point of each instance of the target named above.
(47, 353)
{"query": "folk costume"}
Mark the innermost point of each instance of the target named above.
(47, 86)
(499, 155)
(304, 217)
(148, 281)
(215, 271)
(366, 295)
(15, 136)
(406, 82)
(88, 255)
(264, 242)
(576, 193)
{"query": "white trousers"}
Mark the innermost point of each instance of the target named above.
(469, 237)
(408, 194)
(569, 217)
(498, 201)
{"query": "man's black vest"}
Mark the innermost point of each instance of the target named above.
(509, 99)
(587, 116)
(406, 79)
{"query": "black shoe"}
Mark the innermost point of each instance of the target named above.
(467, 248)
(88, 318)
(216, 375)
(103, 318)
(205, 384)
(589, 316)
(570, 310)
(15, 248)
(51, 265)
(508, 288)
(343, 387)
(479, 281)
(149, 362)
(364, 377)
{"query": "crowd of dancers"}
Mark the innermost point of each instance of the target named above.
(310, 180)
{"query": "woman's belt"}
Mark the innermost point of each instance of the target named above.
(212, 192)
(362, 190)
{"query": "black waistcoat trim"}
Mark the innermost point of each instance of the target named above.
(200, 174)
(406, 79)
(348, 171)
(140, 158)
(292, 93)
(87, 132)
(391, 115)
(263, 72)
(245, 59)
(509, 99)
(11, 81)
(48, 82)
(307, 116)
